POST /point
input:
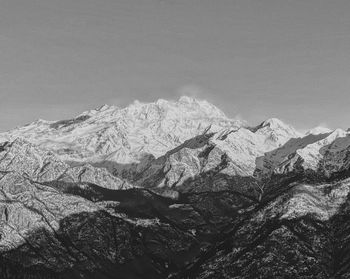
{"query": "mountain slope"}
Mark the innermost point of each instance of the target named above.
(228, 155)
(174, 190)
(322, 154)
(40, 166)
(54, 225)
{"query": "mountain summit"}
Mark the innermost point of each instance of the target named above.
(126, 134)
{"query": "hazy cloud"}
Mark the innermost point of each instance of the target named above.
(191, 90)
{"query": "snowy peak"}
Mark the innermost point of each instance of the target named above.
(275, 132)
(318, 130)
(126, 136)
(275, 124)
(203, 105)
(186, 99)
(121, 134)
(185, 107)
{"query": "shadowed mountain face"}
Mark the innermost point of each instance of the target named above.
(224, 201)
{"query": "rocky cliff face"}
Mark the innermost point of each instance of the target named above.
(174, 190)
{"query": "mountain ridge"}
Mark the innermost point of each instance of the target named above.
(173, 189)
(141, 127)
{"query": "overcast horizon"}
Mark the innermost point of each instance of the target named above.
(252, 59)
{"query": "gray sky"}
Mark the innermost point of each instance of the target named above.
(257, 59)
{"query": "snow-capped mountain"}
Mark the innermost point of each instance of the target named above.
(318, 130)
(125, 135)
(322, 153)
(135, 139)
(175, 189)
(230, 153)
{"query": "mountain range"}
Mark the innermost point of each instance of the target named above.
(173, 189)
